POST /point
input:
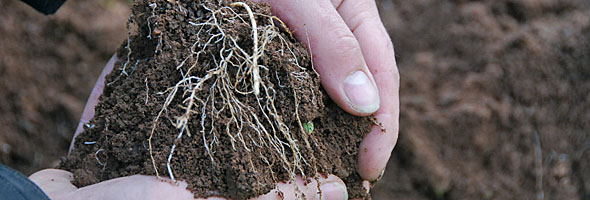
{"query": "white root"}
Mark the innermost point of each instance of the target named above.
(255, 53)
(234, 74)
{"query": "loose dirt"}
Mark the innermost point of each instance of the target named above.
(184, 103)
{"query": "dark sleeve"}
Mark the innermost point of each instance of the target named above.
(45, 6)
(15, 186)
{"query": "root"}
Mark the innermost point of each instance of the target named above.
(128, 47)
(310, 52)
(147, 91)
(232, 75)
(104, 165)
(255, 54)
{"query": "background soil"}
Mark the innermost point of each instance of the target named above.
(493, 95)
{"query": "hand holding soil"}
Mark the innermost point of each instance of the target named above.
(340, 41)
(57, 184)
(354, 56)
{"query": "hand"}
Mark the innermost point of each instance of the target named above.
(57, 183)
(354, 56)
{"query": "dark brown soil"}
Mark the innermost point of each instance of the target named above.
(229, 149)
(467, 92)
(481, 81)
(48, 66)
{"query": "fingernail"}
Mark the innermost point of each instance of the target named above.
(361, 92)
(333, 190)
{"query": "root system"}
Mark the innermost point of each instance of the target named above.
(218, 94)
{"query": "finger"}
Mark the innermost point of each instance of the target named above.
(54, 182)
(93, 99)
(57, 185)
(362, 17)
(136, 187)
(331, 187)
(336, 53)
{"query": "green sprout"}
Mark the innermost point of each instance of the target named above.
(308, 126)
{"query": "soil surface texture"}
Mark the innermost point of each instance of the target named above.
(494, 99)
(184, 103)
(48, 66)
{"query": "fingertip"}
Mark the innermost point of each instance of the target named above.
(376, 147)
(332, 190)
(330, 187)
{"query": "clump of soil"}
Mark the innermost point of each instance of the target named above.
(201, 96)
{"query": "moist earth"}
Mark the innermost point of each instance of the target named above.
(182, 103)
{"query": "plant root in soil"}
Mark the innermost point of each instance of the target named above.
(218, 94)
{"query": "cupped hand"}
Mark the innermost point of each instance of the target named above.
(354, 56)
(57, 183)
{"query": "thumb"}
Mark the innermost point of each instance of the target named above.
(337, 55)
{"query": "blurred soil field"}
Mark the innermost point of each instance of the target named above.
(495, 94)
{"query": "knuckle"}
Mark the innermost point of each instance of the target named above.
(386, 67)
(359, 13)
(345, 43)
(364, 17)
(381, 38)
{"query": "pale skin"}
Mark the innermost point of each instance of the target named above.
(355, 58)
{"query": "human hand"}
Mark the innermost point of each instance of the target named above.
(57, 183)
(354, 56)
